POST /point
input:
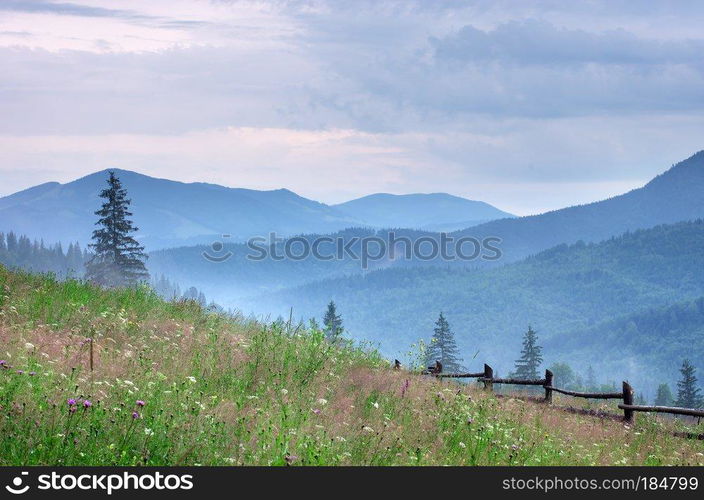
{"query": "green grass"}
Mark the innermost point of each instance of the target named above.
(224, 390)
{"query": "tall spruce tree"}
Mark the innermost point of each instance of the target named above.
(443, 347)
(688, 394)
(332, 323)
(118, 260)
(531, 357)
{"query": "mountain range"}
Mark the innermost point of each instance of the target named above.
(172, 214)
(674, 196)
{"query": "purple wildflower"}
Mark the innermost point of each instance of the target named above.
(405, 387)
(20, 372)
(317, 411)
(32, 374)
(71, 402)
(87, 404)
(135, 415)
(72, 409)
(140, 403)
(3, 362)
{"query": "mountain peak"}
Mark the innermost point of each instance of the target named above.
(430, 211)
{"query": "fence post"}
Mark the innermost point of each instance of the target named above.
(628, 415)
(488, 377)
(548, 384)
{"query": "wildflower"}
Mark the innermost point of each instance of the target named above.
(32, 374)
(20, 372)
(71, 402)
(29, 346)
(284, 391)
(140, 403)
(366, 428)
(317, 411)
(148, 432)
(290, 458)
(135, 415)
(462, 445)
(375, 404)
(191, 379)
(404, 388)
(322, 401)
(87, 404)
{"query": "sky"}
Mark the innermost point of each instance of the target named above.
(527, 105)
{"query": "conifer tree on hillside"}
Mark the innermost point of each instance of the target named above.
(564, 375)
(332, 323)
(531, 357)
(443, 347)
(118, 260)
(688, 394)
(664, 396)
(591, 379)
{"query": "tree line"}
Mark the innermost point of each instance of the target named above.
(34, 255)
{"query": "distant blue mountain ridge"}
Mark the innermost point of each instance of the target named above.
(172, 214)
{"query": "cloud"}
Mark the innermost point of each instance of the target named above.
(67, 9)
(537, 42)
(519, 103)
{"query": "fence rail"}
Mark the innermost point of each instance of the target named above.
(626, 394)
(588, 395)
(675, 410)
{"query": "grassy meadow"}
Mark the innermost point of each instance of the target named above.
(174, 384)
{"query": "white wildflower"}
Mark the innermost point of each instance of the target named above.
(148, 431)
(191, 379)
(29, 346)
(322, 401)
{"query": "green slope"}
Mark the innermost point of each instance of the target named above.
(561, 292)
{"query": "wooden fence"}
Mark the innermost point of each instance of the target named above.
(626, 394)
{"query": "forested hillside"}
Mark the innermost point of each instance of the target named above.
(561, 291)
(647, 344)
(674, 196)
